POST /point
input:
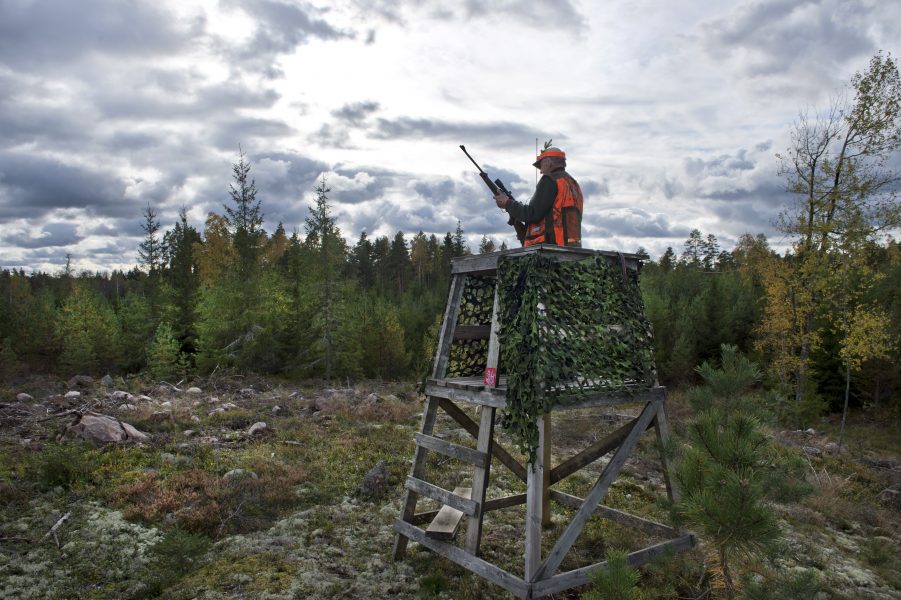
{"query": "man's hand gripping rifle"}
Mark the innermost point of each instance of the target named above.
(498, 186)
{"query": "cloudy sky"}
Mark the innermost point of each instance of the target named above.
(671, 113)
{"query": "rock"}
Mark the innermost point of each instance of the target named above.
(72, 395)
(277, 410)
(101, 429)
(193, 390)
(23, 397)
(188, 433)
(229, 406)
(213, 400)
(120, 396)
(128, 407)
(831, 448)
(159, 416)
(166, 404)
(891, 497)
(258, 428)
(106, 380)
(143, 398)
(195, 419)
(247, 392)
(811, 450)
(371, 399)
(375, 482)
(80, 381)
(810, 431)
(239, 473)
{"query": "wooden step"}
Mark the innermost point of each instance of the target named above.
(446, 523)
(468, 455)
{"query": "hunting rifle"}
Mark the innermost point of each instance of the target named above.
(495, 187)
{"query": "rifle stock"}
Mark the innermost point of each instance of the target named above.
(498, 186)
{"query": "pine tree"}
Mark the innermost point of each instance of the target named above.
(164, 358)
(486, 245)
(618, 581)
(720, 475)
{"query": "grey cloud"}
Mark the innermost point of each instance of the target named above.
(724, 164)
(435, 191)
(487, 134)
(281, 27)
(542, 14)
(52, 234)
(233, 130)
(816, 35)
(53, 34)
(594, 189)
(31, 186)
(633, 223)
(356, 113)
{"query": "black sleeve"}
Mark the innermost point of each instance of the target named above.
(541, 203)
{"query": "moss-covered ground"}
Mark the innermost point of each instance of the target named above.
(207, 510)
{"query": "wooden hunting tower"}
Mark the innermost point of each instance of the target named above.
(531, 331)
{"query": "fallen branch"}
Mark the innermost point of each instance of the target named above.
(53, 529)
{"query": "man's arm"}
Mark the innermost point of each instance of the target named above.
(541, 202)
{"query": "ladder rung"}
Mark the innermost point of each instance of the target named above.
(472, 332)
(464, 505)
(468, 455)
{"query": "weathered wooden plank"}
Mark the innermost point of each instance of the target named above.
(469, 425)
(441, 495)
(546, 473)
(480, 477)
(535, 497)
(662, 429)
(472, 332)
(591, 454)
(445, 338)
(468, 455)
(487, 263)
(417, 470)
(445, 524)
(478, 397)
(480, 567)
(568, 538)
(582, 576)
(630, 520)
(505, 502)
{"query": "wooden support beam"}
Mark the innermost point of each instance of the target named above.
(662, 429)
(480, 567)
(478, 397)
(465, 505)
(505, 502)
(591, 454)
(568, 538)
(624, 518)
(467, 455)
(417, 470)
(480, 477)
(579, 577)
(446, 337)
(457, 414)
(535, 497)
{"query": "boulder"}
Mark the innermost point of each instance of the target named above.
(120, 396)
(259, 428)
(247, 392)
(23, 397)
(811, 450)
(239, 474)
(73, 395)
(106, 380)
(80, 381)
(375, 482)
(891, 497)
(101, 429)
(193, 390)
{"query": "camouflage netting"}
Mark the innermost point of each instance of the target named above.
(568, 330)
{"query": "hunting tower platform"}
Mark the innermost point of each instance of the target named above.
(531, 331)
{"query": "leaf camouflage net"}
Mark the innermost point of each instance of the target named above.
(568, 330)
(467, 358)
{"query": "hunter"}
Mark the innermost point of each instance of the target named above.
(554, 214)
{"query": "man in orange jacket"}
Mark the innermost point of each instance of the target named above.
(554, 214)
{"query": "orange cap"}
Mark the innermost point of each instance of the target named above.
(549, 152)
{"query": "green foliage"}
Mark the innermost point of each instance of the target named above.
(8, 358)
(726, 387)
(136, 328)
(785, 585)
(164, 358)
(60, 465)
(618, 581)
(570, 327)
(87, 331)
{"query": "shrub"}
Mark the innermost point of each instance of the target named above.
(618, 581)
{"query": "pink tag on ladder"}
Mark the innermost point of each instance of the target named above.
(490, 377)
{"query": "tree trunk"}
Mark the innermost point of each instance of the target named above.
(841, 430)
